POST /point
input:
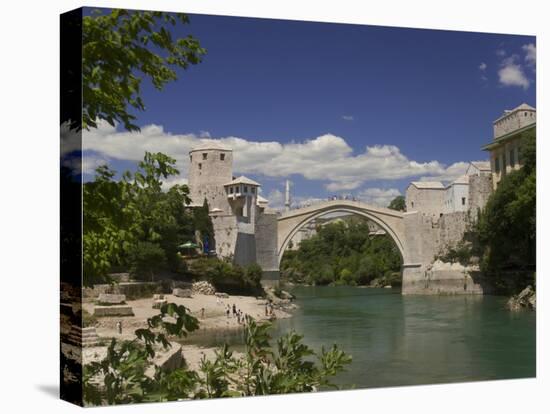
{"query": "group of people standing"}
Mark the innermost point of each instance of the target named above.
(236, 313)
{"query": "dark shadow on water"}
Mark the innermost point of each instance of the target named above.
(49, 389)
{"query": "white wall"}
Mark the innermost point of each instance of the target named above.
(453, 198)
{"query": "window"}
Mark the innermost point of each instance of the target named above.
(525, 113)
(463, 201)
(503, 164)
(200, 166)
(191, 158)
(252, 190)
(512, 158)
(497, 165)
(245, 189)
(412, 203)
(222, 157)
(204, 155)
(230, 190)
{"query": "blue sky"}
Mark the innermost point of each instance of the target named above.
(304, 100)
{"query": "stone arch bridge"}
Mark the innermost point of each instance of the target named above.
(401, 227)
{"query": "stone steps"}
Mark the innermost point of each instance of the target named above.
(83, 336)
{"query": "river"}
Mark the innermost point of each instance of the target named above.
(407, 340)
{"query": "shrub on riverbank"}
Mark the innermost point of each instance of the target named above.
(227, 276)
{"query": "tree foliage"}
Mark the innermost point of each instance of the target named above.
(122, 47)
(505, 234)
(120, 377)
(342, 253)
(398, 203)
(129, 219)
(228, 276)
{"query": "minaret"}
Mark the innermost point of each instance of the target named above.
(287, 195)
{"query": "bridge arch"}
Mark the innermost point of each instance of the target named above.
(391, 221)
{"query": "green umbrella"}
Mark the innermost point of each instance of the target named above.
(188, 245)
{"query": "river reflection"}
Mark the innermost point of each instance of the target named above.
(405, 340)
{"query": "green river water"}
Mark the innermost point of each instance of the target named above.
(406, 340)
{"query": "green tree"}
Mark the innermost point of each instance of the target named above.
(119, 49)
(146, 259)
(505, 234)
(398, 203)
(120, 214)
(203, 224)
(342, 252)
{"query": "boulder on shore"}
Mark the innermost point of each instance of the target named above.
(203, 287)
(181, 293)
(527, 298)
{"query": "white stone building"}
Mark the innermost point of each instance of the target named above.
(456, 195)
(508, 133)
(245, 229)
(468, 192)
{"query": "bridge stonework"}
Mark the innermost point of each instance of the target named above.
(407, 230)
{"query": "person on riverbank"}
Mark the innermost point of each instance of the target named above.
(202, 313)
(234, 310)
(227, 311)
(266, 309)
(119, 327)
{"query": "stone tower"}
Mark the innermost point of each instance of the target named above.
(211, 167)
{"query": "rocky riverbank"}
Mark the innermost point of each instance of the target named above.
(526, 299)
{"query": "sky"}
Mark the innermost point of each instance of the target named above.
(336, 109)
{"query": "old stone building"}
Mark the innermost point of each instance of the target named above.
(245, 229)
(466, 194)
(508, 132)
(425, 196)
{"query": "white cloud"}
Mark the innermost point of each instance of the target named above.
(172, 181)
(347, 117)
(511, 71)
(339, 186)
(327, 158)
(378, 196)
(91, 161)
(512, 74)
(530, 53)
(306, 201)
(276, 199)
(451, 173)
(483, 66)
(501, 52)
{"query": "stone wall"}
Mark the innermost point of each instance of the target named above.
(426, 237)
(225, 233)
(451, 230)
(245, 249)
(481, 187)
(266, 242)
